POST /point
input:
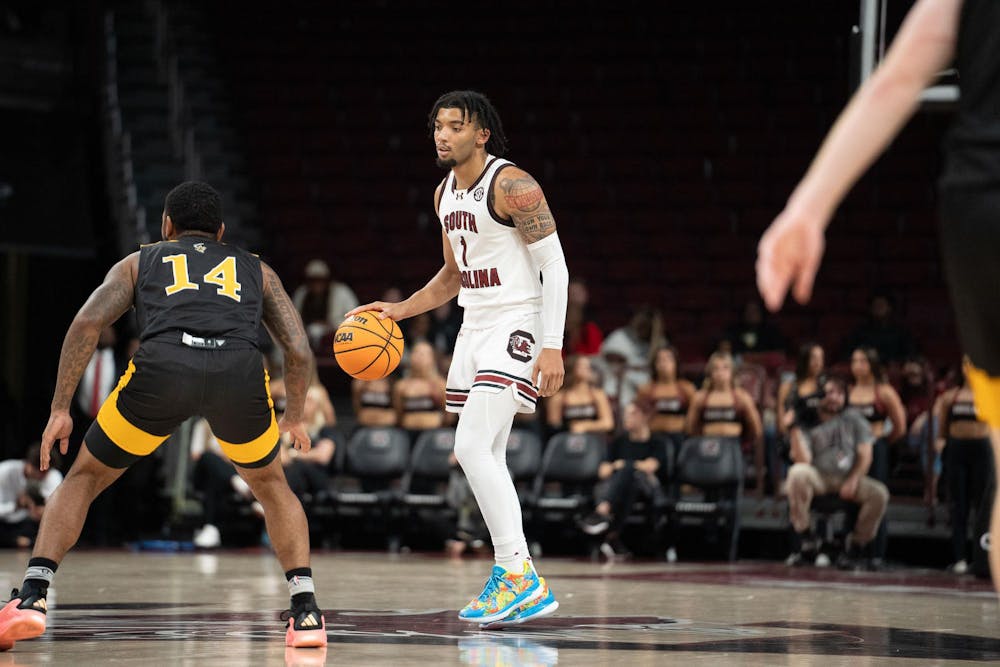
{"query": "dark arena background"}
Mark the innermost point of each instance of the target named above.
(667, 137)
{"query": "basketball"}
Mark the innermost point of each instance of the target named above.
(366, 347)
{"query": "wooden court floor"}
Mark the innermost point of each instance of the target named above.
(121, 607)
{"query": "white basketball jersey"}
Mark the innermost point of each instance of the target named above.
(498, 273)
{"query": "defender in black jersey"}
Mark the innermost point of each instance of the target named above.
(199, 303)
(933, 34)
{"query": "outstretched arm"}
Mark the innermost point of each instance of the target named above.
(284, 324)
(106, 304)
(790, 250)
(518, 196)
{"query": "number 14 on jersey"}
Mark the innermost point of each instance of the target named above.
(222, 275)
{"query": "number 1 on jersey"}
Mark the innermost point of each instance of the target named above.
(222, 274)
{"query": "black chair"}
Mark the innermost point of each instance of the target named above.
(563, 488)
(426, 478)
(651, 515)
(524, 456)
(368, 488)
(713, 465)
(424, 506)
(826, 509)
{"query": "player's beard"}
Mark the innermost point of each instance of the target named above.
(446, 164)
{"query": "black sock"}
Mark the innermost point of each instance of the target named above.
(38, 585)
(303, 598)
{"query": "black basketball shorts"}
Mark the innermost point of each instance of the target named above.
(970, 251)
(168, 382)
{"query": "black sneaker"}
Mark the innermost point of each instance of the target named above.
(595, 524)
(852, 558)
(807, 552)
(613, 549)
(306, 627)
(22, 617)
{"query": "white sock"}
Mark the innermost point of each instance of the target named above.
(481, 450)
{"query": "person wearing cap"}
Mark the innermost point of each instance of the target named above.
(322, 301)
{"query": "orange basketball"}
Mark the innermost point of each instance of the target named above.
(366, 347)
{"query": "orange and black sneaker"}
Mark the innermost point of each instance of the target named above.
(22, 617)
(306, 627)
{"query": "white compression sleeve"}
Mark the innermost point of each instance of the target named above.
(548, 257)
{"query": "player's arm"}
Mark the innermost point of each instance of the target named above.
(791, 249)
(440, 289)
(284, 324)
(516, 195)
(104, 306)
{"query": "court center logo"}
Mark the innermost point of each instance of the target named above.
(521, 345)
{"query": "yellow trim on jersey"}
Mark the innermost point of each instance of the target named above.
(130, 438)
(986, 392)
(246, 453)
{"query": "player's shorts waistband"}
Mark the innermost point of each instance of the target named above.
(476, 319)
(203, 342)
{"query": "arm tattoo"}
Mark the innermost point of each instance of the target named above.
(107, 303)
(285, 325)
(528, 208)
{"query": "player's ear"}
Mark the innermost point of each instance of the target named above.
(222, 230)
(166, 227)
(484, 137)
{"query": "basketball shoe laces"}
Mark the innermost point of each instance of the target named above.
(494, 584)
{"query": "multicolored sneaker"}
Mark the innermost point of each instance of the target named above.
(22, 618)
(306, 627)
(503, 593)
(541, 606)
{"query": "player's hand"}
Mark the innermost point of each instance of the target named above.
(59, 428)
(849, 488)
(548, 372)
(297, 435)
(788, 256)
(383, 308)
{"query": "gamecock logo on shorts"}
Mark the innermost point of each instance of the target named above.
(520, 345)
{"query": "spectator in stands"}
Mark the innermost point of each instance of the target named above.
(372, 402)
(918, 393)
(580, 406)
(882, 331)
(799, 396)
(24, 488)
(583, 335)
(418, 396)
(834, 457)
(446, 320)
(722, 409)
(964, 442)
(322, 301)
(670, 395)
(877, 400)
(215, 479)
(627, 352)
(309, 473)
(754, 332)
(635, 467)
(100, 376)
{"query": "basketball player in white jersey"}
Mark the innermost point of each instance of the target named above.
(503, 259)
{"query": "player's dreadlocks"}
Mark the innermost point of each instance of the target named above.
(477, 107)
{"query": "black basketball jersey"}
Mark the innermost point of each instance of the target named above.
(201, 287)
(972, 145)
